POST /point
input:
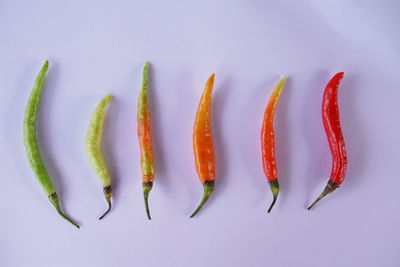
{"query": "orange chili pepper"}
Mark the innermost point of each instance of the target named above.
(268, 141)
(203, 144)
(144, 135)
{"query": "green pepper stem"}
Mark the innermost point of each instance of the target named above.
(54, 200)
(330, 187)
(146, 190)
(208, 189)
(107, 193)
(274, 185)
(108, 210)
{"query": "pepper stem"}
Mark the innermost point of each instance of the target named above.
(208, 189)
(54, 200)
(275, 190)
(146, 190)
(330, 187)
(107, 193)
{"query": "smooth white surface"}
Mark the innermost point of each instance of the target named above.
(99, 47)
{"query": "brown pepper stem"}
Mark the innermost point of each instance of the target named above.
(107, 193)
(330, 187)
(208, 189)
(275, 190)
(54, 200)
(146, 190)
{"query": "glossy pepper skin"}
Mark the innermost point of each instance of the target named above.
(32, 146)
(144, 136)
(93, 149)
(268, 141)
(331, 120)
(203, 144)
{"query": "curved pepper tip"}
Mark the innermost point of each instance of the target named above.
(338, 76)
(281, 83)
(107, 194)
(208, 189)
(146, 190)
(109, 98)
(275, 190)
(330, 187)
(54, 200)
(211, 79)
(45, 66)
(108, 210)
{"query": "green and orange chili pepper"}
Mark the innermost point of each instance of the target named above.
(144, 136)
(268, 141)
(331, 120)
(203, 144)
(32, 146)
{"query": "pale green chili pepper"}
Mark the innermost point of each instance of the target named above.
(93, 150)
(32, 146)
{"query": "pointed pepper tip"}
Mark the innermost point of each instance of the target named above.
(208, 189)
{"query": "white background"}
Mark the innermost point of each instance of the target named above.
(99, 47)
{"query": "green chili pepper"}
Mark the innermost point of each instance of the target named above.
(93, 150)
(32, 146)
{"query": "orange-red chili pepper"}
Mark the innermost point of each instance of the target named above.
(331, 119)
(144, 135)
(203, 144)
(268, 141)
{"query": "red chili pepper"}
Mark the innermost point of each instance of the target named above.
(203, 144)
(268, 141)
(330, 117)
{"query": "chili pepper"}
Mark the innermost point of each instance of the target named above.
(32, 146)
(203, 144)
(331, 119)
(93, 149)
(144, 135)
(268, 141)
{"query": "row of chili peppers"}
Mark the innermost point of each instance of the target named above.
(202, 142)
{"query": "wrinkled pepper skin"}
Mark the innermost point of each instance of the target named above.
(93, 149)
(331, 120)
(268, 141)
(144, 136)
(203, 144)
